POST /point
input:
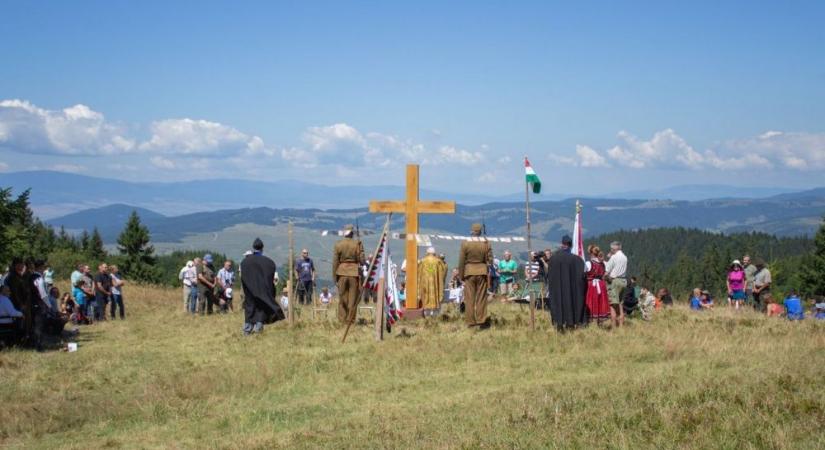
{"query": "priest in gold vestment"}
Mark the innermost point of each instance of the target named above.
(432, 273)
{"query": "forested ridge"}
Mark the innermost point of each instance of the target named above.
(681, 259)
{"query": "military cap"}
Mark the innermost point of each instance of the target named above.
(475, 228)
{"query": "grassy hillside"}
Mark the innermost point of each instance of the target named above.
(162, 379)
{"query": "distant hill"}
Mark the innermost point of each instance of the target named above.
(59, 193)
(783, 215)
(56, 194)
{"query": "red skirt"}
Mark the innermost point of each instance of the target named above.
(598, 306)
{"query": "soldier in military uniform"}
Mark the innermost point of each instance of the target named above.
(347, 257)
(473, 262)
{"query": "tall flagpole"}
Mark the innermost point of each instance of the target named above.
(529, 249)
(527, 207)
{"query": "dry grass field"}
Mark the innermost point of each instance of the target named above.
(162, 379)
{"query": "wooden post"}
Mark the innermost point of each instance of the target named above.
(290, 281)
(379, 309)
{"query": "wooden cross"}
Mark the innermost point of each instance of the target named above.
(411, 208)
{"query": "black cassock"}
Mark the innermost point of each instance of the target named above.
(257, 275)
(567, 288)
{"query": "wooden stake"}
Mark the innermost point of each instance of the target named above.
(290, 281)
(532, 311)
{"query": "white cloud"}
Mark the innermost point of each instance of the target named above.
(162, 163)
(589, 157)
(76, 130)
(199, 138)
(666, 149)
(3, 166)
(344, 144)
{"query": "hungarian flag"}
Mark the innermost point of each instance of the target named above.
(532, 178)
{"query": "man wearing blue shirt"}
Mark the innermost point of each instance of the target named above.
(305, 272)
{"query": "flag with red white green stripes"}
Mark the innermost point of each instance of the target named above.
(531, 177)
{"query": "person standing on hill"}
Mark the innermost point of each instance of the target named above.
(567, 288)
(305, 273)
(432, 273)
(598, 306)
(103, 291)
(761, 284)
(117, 292)
(226, 279)
(473, 259)
(206, 285)
(347, 257)
(736, 283)
(507, 268)
(616, 278)
(750, 271)
(258, 273)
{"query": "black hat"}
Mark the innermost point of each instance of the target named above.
(258, 244)
(565, 240)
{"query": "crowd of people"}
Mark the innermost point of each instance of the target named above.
(32, 308)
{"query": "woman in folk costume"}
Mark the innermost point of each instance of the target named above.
(598, 306)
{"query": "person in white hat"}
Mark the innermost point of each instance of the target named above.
(736, 284)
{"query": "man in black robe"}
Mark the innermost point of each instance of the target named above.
(567, 288)
(257, 275)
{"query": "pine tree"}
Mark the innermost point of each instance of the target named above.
(813, 269)
(138, 255)
(96, 250)
(84, 242)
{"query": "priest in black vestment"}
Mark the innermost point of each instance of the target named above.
(257, 275)
(567, 287)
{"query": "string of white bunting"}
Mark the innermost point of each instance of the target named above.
(423, 238)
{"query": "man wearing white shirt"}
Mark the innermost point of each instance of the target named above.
(616, 275)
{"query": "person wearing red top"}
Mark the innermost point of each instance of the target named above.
(598, 306)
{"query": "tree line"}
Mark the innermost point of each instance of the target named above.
(22, 235)
(681, 259)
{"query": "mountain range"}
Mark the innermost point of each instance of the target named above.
(55, 194)
(784, 215)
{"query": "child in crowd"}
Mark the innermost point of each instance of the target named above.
(227, 300)
(819, 311)
(736, 284)
(696, 299)
(326, 296)
(646, 303)
(772, 308)
(285, 300)
(706, 300)
(402, 294)
(793, 306)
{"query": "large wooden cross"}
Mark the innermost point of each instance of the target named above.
(411, 208)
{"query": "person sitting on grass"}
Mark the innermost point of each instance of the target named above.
(326, 296)
(819, 311)
(647, 301)
(707, 300)
(10, 317)
(773, 309)
(54, 321)
(696, 299)
(793, 306)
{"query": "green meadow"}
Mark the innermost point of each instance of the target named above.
(164, 379)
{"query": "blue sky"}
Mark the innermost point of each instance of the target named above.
(603, 96)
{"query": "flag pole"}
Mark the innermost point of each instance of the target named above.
(527, 208)
(529, 249)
